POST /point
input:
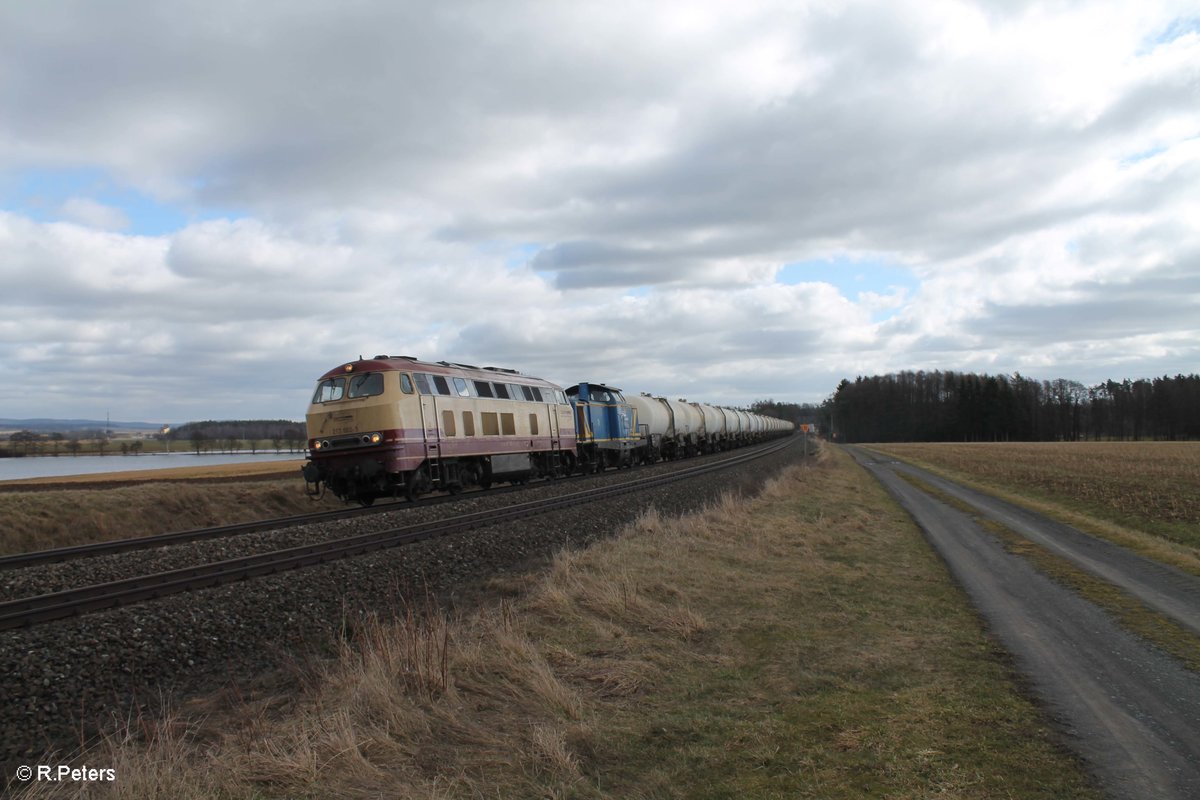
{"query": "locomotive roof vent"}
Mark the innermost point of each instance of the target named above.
(378, 357)
(406, 358)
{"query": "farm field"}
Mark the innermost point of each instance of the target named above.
(1150, 487)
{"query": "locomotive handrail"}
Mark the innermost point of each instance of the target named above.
(39, 609)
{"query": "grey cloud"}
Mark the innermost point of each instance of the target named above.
(395, 163)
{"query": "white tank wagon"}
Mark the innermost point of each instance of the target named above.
(733, 426)
(743, 425)
(713, 435)
(729, 427)
(756, 426)
(656, 422)
(689, 426)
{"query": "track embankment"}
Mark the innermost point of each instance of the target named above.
(69, 679)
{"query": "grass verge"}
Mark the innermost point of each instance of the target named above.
(806, 643)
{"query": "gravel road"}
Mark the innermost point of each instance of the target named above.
(1131, 712)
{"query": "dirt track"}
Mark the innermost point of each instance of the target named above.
(1131, 712)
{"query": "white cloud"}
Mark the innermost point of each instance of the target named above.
(88, 212)
(595, 190)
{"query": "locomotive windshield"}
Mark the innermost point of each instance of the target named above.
(330, 390)
(366, 384)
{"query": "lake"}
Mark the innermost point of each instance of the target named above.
(58, 466)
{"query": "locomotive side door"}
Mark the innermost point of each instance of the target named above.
(430, 425)
(552, 418)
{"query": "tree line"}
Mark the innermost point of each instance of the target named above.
(231, 434)
(798, 413)
(966, 407)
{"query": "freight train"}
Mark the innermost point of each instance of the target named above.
(393, 426)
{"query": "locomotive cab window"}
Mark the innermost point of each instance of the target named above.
(330, 390)
(501, 391)
(366, 385)
(423, 383)
(406, 384)
(439, 383)
(483, 389)
(460, 386)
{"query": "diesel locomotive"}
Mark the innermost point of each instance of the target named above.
(396, 426)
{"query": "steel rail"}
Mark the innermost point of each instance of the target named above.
(39, 609)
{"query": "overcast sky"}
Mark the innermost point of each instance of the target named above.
(205, 205)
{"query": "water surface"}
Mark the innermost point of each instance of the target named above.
(59, 466)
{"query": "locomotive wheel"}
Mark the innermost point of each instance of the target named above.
(366, 502)
(416, 484)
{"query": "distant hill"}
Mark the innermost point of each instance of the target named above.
(51, 425)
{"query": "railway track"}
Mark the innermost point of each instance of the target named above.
(60, 554)
(44, 608)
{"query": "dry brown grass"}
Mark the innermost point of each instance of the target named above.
(1152, 481)
(59, 517)
(803, 644)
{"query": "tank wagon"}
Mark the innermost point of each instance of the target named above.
(679, 429)
(394, 425)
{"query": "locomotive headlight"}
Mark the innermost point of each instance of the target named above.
(316, 445)
(373, 438)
